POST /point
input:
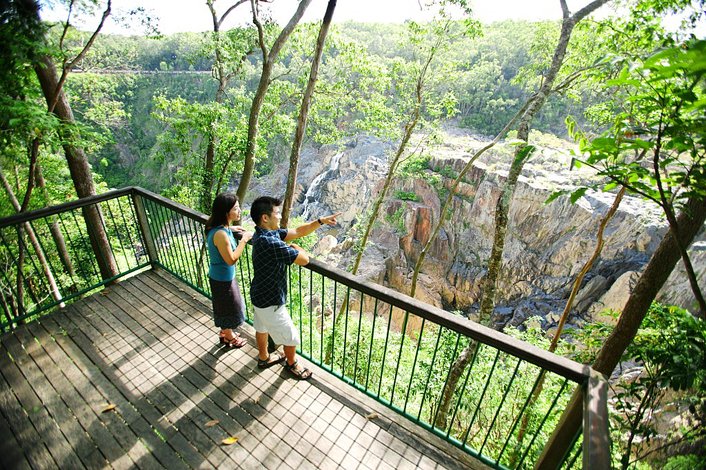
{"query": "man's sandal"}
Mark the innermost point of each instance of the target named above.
(298, 372)
(274, 358)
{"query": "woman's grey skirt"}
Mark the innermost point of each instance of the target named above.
(228, 306)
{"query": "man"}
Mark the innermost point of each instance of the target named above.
(268, 292)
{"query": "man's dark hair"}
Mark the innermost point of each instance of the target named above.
(263, 206)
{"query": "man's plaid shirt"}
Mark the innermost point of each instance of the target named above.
(270, 258)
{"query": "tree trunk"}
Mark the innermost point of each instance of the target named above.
(533, 105)
(268, 62)
(79, 168)
(35, 243)
(54, 228)
(304, 114)
(565, 315)
(658, 269)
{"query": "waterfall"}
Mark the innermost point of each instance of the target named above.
(311, 203)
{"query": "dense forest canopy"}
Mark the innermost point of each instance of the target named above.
(131, 89)
(83, 112)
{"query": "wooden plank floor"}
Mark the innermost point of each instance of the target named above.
(147, 345)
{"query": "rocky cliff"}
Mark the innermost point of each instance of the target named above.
(546, 245)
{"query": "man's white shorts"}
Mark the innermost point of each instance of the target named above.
(276, 321)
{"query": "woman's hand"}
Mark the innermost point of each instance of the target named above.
(245, 236)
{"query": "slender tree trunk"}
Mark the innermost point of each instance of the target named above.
(304, 114)
(268, 62)
(674, 227)
(80, 170)
(530, 109)
(658, 269)
(35, 243)
(54, 228)
(565, 314)
(409, 128)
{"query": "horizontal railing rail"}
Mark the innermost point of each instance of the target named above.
(494, 396)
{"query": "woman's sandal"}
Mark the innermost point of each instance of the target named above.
(222, 338)
(236, 341)
(274, 358)
(298, 373)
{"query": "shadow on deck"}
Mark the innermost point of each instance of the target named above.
(148, 346)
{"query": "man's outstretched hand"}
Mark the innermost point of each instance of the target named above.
(330, 219)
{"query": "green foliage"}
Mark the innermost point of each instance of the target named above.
(670, 348)
(397, 220)
(407, 196)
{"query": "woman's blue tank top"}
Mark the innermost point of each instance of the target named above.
(218, 269)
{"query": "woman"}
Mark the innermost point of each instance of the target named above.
(224, 251)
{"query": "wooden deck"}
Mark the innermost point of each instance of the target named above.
(148, 346)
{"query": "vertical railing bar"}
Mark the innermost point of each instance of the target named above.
(129, 228)
(446, 381)
(120, 238)
(199, 241)
(151, 215)
(158, 232)
(94, 256)
(5, 309)
(414, 364)
(301, 325)
(38, 272)
(92, 261)
(289, 290)
(333, 326)
(190, 251)
(182, 240)
(372, 338)
(311, 312)
(53, 270)
(465, 384)
(107, 236)
(345, 331)
(482, 395)
(541, 425)
(578, 452)
(20, 302)
(78, 268)
(170, 255)
(431, 369)
(357, 340)
(384, 354)
(520, 415)
(193, 249)
(502, 402)
(248, 262)
(399, 356)
(175, 243)
(323, 317)
(160, 225)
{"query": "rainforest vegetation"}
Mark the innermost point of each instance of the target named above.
(188, 115)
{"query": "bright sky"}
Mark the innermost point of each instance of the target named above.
(193, 15)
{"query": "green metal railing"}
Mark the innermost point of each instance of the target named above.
(46, 258)
(398, 350)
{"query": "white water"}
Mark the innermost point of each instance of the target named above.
(311, 199)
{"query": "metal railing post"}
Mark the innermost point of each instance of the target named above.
(145, 228)
(596, 440)
(559, 444)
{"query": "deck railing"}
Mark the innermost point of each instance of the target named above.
(508, 399)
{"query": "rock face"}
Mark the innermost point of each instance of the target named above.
(546, 244)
